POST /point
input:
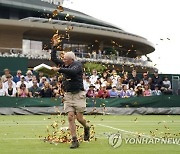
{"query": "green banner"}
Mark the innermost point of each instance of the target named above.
(151, 101)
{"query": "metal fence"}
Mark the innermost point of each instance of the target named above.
(176, 85)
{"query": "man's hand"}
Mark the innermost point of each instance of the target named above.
(56, 40)
(56, 69)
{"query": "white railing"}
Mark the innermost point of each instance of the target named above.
(111, 59)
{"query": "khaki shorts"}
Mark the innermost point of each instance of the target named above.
(75, 102)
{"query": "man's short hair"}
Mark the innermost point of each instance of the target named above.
(70, 55)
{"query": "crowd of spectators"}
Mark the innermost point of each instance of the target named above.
(105, 85)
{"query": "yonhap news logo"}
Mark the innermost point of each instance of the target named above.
(116, 140)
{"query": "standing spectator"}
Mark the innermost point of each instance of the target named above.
(94, 54)
(157, 80)
(135, 77)
(11, 91)
(6, 73)
(18, 76)
(99, 54)
(145, 78)
(34, 91)
(23, 91)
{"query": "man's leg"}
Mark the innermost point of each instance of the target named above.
(72, 127)
(83, 122)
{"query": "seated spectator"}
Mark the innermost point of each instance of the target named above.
(86, 83)
(104, 77)
(53, 81)
(119, 84)
(39, 76)
(22, 81)
(34, 91)
(18, 76)
(23, 91)
(156, 91)
(145, 78)
(91, 91)
(166, 86)
(30, 83)
(10, 91)
(139, 90)
(113, 92)
(151, 85)
(114, 77)
(125, 78)
(6, 73)
(131, 84)
(46, 91)
(2, 91)
(93, 78)
(108, 83)
(147, 90)
(9, 80)
(57, 90)
(28, 76)
(97, 84)
(103, 93)
(42, 81)
(124, 93)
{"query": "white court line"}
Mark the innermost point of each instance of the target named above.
(130, 132)
(21, 138)
(46, 121)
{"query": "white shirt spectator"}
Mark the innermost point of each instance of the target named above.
(167, 83)
(6, 86)
(14, 91)
(2, 92)
(20, 82)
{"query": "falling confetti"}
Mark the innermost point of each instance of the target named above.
(60, 8)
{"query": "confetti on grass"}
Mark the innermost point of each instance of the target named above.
(58, 133)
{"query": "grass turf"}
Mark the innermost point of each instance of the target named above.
(23, 134)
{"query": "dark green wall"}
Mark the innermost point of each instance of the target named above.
(13, 63)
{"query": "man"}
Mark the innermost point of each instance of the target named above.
(18, 76)
(156, 79)
(74, 97)
(34, 91)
